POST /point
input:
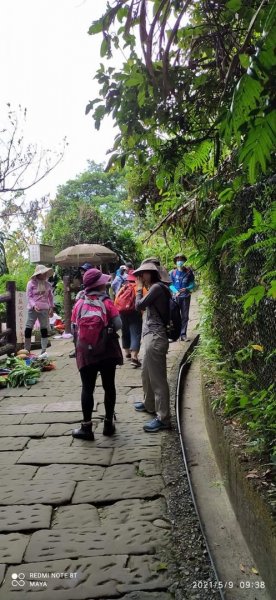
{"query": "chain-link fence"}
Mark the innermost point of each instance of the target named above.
(236, 278)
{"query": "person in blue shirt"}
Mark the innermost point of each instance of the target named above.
(183, 282)
(119, 279)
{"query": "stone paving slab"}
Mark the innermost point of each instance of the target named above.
(132, 538)
(12, 392)
(55, 417)
(69, 455)
(21, 517)
(19, 402)
(97, 577)
(36, 492)
(134, 510)
(70, 472)
(13, 443)
(56, 429)
(127, 471)
(12, 547)
(36, 430)
(2, 572)
(23, 472)
(79, 516)
(128, 454)
(109, 490)
(65, 406)
(148, 468)
(9, 458)
(50, 443)
(35, 392)
(11, 419)
(15, 409)
(122, 437)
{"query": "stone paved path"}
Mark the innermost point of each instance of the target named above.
(80, 520)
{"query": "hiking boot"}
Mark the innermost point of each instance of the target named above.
(109, 427)
(135, 362)
(156, 425)
(84, 432)
(140, 407)
(72, 354)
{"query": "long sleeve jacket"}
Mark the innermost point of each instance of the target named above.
(42, 300)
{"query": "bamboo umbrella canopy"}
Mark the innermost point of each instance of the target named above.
(75, 256)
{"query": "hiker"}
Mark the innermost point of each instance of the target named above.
(164, 275)
(121, 275)
(85, 267)
(119, 279)
(154, 368)
(40, 305)
(97, 349)
(183, 283)
(131, 319)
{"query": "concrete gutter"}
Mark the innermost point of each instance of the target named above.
(256, 521)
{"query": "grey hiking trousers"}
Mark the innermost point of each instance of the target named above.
(154, 375)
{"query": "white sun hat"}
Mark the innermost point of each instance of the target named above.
(41, 270)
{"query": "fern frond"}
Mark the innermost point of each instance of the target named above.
(194, 160)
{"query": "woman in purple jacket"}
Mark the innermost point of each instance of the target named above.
(40, 304)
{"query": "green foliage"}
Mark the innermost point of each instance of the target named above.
(194, 101)
(21, 279)
(92, 209)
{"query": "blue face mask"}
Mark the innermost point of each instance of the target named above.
(179, 263)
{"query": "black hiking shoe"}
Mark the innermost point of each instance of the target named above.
(84, 432)
(108, 428)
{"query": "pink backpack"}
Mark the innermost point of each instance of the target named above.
(92, 322)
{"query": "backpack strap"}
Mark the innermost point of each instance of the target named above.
(98, 301)
(166, 289)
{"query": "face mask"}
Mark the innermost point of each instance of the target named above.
(179, 263)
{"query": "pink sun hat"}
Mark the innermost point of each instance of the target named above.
(93, 278)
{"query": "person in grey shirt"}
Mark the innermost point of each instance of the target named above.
(154, 367)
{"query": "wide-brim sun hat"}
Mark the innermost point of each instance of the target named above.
(93, 278)
(41, 270)
(152, 259)
(146, 267)
(180, 255)
(164, 275)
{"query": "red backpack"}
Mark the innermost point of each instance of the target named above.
(92, 322)
(125, 299)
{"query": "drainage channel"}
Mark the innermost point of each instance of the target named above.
(227, 550)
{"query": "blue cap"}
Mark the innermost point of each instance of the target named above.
(86, 266)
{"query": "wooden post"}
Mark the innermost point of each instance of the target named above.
(67, 303)
(11, 319)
